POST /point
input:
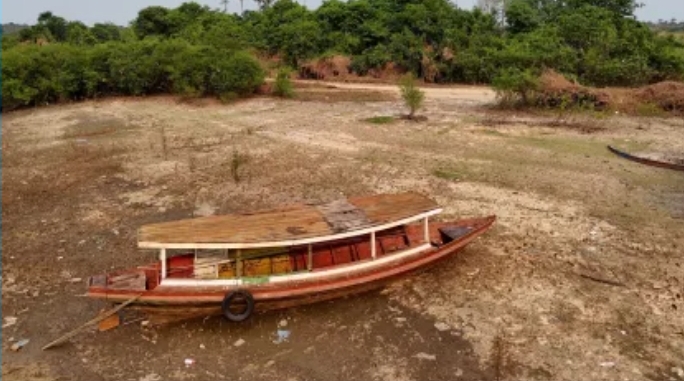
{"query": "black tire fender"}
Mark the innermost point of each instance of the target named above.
(228, 300)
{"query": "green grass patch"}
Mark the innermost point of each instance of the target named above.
(650, 109)
(380, 119)
(488, 131)
(448, 174)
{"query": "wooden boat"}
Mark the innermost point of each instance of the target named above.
(651, 162)
(236, 264)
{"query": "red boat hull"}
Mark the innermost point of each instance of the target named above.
(169, 300)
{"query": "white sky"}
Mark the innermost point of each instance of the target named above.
(122, 11)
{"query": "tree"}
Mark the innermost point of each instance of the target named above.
(264, 4)
(106, 32)
(413, 97)
(56, 26)
(521, 16)
(79, 34)
(152, 21)
(225, 5)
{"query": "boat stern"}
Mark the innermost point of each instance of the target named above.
(106, 286)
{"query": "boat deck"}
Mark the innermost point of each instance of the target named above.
(293, 225)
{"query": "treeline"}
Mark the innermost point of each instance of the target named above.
(667, 26)
(193, 49)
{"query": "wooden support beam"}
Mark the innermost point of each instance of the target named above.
(373, 251)
(309, 259)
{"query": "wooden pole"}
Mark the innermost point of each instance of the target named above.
(96, 320)
(373, 245)
(309, 262)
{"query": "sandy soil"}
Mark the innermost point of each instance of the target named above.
(520, 302)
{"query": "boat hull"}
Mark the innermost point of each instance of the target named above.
(645, 161)
(169, 301)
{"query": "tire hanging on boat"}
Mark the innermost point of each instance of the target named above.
(228, 300)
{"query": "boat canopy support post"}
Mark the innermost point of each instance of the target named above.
(162, 258)
(309, 259)
(426, 228)
(373, 251)
(238, 263)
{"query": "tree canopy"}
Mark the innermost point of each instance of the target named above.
(598, 42)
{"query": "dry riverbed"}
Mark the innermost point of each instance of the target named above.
(527, 300)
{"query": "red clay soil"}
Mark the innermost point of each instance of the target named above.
(326, 68)
(554, 89)
(668, 95)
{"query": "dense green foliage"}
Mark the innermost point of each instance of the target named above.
(36, 75)
(193, 49)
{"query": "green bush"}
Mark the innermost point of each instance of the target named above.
(283, 85)
(238, 73)
(37, 75)
(413, 97)
(514, 85)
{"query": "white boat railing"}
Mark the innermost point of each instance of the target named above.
(226, 246)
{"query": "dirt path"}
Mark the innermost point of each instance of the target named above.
(520, 303)
(467, 93)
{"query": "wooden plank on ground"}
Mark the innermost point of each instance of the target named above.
(89, 323)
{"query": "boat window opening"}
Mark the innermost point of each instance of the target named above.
(207, 262)
(263, 262)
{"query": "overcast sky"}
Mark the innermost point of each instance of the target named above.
(122, 11)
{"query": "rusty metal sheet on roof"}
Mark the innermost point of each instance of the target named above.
(289, 224)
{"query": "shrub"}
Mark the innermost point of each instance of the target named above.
(515, 85)
(239, 73)
(36, 75)
(283, 85)
(413, 97)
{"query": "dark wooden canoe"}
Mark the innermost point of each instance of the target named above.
(651, 162)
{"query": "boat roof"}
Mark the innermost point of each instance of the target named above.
(293, 225)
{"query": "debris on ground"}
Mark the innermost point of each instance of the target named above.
(283, 335)
(189, 362)
(608, 364)
(239, 342)
(678, 371)
(111, 322)
(283, 323)
(9, 321)
(19, 344)
(202, 346)
(150, 377)
(75, 280)
(425, 356)
(442, 326)
(270, 363)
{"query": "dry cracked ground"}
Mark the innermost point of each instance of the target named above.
(581, 278)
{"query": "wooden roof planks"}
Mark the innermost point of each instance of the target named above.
(287, 226)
